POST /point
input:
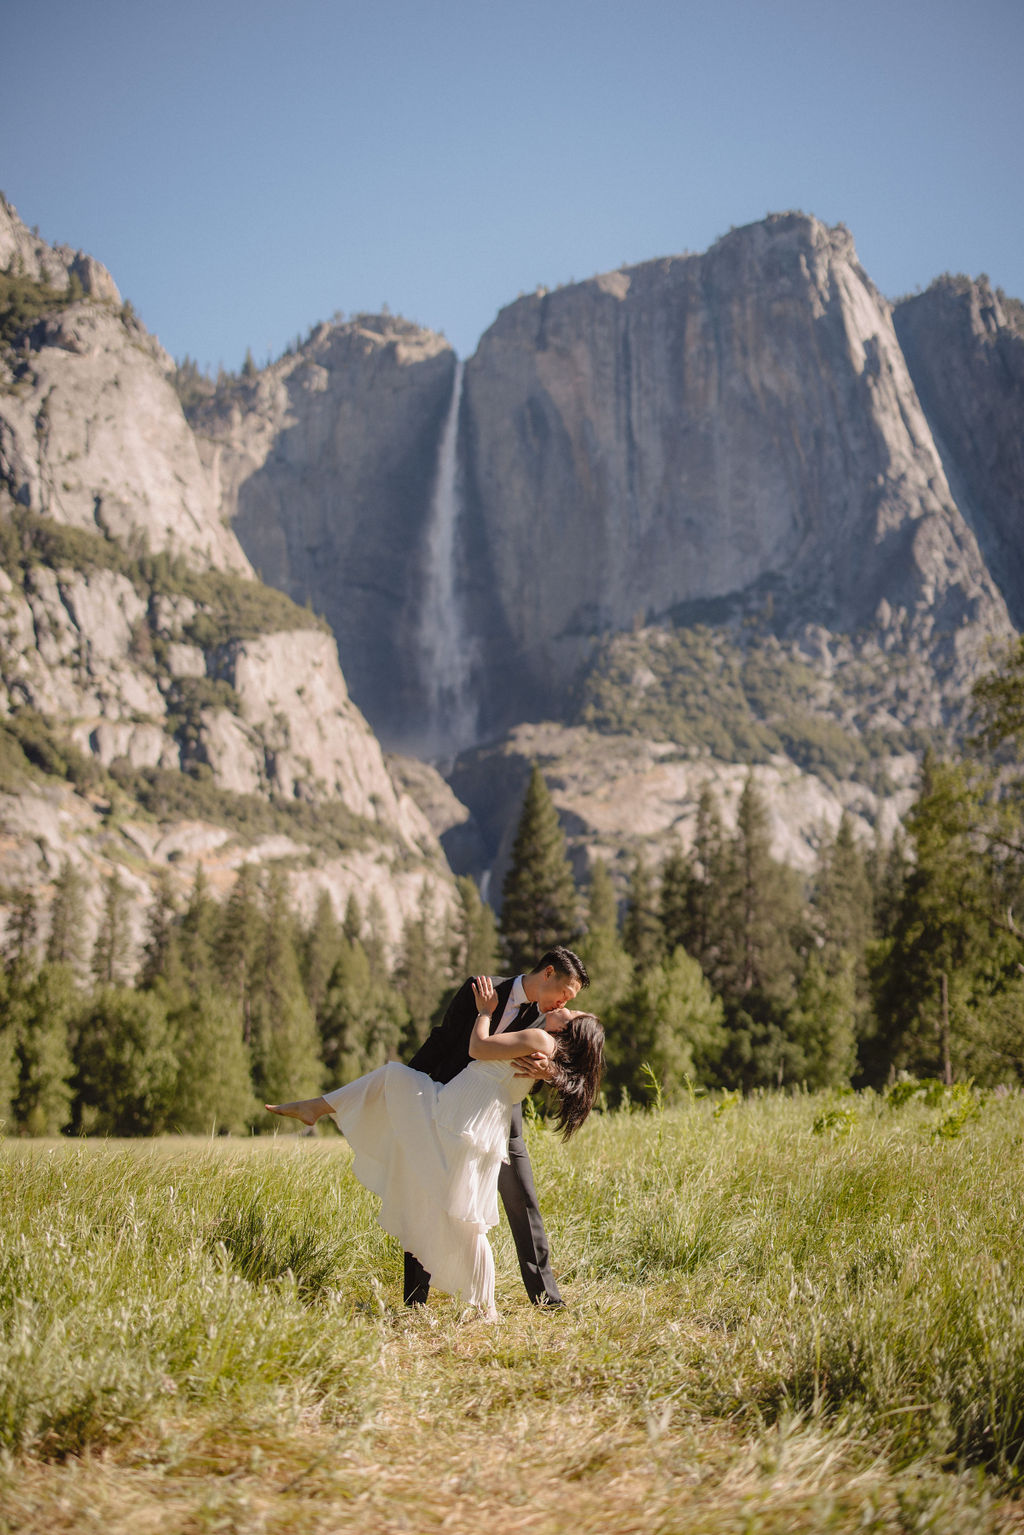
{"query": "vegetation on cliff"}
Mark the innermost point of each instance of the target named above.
(24, 300)
(228, 606)
(741, 694)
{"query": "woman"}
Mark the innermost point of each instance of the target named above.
(432, 1153)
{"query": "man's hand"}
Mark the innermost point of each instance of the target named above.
(536, 1065)
(485, 994)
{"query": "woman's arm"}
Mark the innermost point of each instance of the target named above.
(506, 1047)
(483, 1046)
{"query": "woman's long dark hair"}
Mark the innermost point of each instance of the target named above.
(576, 1075)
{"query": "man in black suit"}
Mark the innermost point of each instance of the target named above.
(553, 982)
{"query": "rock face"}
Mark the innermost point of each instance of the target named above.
(616, 795)
(56, 265)
(325, 465)
(117, 669)
(696, 430)
(41, 827)
(751, 440)
(92, 435)
(965, 348)
(187, 668)
(700, 437)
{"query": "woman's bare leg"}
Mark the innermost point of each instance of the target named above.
(309, 1110)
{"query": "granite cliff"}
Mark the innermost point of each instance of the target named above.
(696, 436)
(734, 507)
(91, 431)
(324, 465)
(701, 438)
(159, 706)
(964, 345)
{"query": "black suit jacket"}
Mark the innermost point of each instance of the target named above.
(445, 1051)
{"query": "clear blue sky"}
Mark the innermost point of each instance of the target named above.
(246, 169)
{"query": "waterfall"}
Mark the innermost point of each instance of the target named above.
(445, 646)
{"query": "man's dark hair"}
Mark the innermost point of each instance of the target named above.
(566, 963)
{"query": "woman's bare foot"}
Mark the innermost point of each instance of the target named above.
(309, 1110)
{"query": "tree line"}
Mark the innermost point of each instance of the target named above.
(727, 969)
(234, 1003)
(722, 968)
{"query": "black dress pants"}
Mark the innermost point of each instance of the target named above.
(518, 1195)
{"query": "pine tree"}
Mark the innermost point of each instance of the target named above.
(126, 1062)
(66, 943)
(949, 923)
(239, 933)
(539, 902)
(641, 929)
(762, 912)
(602, 907)
(843, 897)
(888, 872)
(22, 932)
(364, 1017)
(344, 1018)
(352, 925)
(286, 1054)
(703, 934)
(49, 1002)
(113, 950)
(421, 974)
(197, 932)
(823, 1024)
(161, 954)
(213, 1091)
(375, 938)
(669, 1021)
(677, 900)
(609, 966)
(8, 1057)
(320, 949)
(844, 910)
(475, 950)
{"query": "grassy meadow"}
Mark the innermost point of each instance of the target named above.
(787, 1313)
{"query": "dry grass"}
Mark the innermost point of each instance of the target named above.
(707, 1257)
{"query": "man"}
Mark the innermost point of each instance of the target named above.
(555, 980)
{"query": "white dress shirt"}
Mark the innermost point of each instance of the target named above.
(517, 998)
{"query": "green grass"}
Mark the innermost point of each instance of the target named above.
(771, 1328)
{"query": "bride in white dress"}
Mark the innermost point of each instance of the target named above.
(432, 1153)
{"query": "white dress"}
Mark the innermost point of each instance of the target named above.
(432, 1153)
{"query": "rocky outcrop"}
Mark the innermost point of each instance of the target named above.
(24, 253)
(450, 820)
(324, 464)
(115, 669)
(312, 741)
(706, 429)
(617, 795)
(964, 345)
(92, 435)
(734, 438)
(45, 826)
(117, 665)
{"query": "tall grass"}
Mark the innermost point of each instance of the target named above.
(732, 1275)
